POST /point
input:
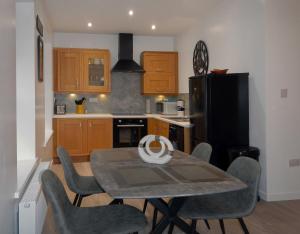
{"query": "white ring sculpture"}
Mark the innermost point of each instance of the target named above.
(149, 156)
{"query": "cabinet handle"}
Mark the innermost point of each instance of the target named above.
(90, 124)
(80, 125)
(77, 83)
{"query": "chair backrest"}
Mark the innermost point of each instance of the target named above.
(57, 199)
(71, 174)
(203, 151)
(247, 170)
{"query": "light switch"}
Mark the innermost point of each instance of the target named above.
(283, 93)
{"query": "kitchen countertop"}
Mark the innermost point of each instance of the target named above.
(104, 115)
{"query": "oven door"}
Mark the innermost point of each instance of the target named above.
(128, 135)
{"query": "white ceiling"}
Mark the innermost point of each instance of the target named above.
(171, 17)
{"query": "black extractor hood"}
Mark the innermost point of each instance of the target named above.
(126, 62)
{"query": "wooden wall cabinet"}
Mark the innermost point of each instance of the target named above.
(81, 70)
(81, 136)
(161, 73)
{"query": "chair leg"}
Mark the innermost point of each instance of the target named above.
(243, 225)
(79, 200)
(75, 199)
(193, 225)
(154, 218)
(222, 225)
(207, 224)
(171, 227)
(145, 205)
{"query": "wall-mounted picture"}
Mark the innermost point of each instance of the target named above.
(40, 56)
(39, 26)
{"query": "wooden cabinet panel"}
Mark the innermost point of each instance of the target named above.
(68, 72)
(163, 129)
(71, 135)
(100, 134)
(159, 62)
(96, 70)
(159, 83)
(161, 73)
(81, 70)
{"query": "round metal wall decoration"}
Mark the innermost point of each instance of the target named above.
(200, 59)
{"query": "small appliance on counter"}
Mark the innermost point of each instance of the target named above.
(159, 107)
(169, 108)
(180, 108)
(60, 109)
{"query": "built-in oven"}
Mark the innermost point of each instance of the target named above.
(128, 131)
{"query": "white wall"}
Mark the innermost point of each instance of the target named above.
(260, 37)
(283, 115)
(8, 152)
(234, 33)
(34, 98)
(44, 90)
(110, 41)
(25, 67)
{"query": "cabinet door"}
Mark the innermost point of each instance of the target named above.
(163, 129)
(153, 130)
(71, 134)
(68, 72)
(161, 73)
(159, 62)
(99, 134)
(158, 83)
(96, 71)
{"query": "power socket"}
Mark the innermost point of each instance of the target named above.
(294, 162)
(94, 100)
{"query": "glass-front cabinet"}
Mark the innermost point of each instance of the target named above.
(96, 71)
(81, 70)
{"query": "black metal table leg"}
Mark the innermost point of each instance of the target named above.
(169, 212)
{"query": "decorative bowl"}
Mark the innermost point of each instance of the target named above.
(219, 71)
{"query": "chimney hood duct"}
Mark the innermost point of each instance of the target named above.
(126, 62)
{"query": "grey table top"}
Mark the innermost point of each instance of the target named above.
(123, 174)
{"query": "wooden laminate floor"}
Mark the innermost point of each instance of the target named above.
(268, 217)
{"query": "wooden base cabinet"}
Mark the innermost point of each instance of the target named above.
(81, 136)
(99, 134)
(158, 127)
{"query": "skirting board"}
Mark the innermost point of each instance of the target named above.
(279, 196)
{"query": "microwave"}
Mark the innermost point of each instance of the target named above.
(169, 108)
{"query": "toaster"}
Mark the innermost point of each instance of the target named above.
(60, 109)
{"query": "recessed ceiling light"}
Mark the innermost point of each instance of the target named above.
(90, 24)
(153, 27)
(130, 12)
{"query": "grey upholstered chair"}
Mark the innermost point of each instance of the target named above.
(203, 151)
(230, 205)
(70, 219)
(81, 185)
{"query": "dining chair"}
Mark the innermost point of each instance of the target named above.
(82, 186)
(229, 205)
(70, 219)
(203, 152)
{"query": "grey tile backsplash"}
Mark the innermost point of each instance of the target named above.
(125, 97)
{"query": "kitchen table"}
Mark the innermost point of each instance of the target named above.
(123, 174)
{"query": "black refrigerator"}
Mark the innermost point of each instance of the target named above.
(219, 113)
